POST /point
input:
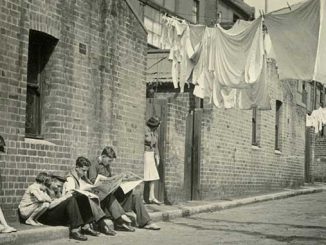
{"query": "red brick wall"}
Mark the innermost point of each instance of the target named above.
(91, 99)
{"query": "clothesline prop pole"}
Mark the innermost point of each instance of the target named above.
(314, 98)
(266, 6)
(289, 5)
(264, 47)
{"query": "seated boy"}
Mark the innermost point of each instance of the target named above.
(34, 201)
(127, 202)
(75, 179)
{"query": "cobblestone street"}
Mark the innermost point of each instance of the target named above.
(296, 220)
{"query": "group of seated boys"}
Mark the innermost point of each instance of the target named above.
(55, 200)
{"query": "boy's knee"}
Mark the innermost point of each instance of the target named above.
(137, 197)
(46, 205)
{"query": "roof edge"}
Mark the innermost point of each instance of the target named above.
(137, 16)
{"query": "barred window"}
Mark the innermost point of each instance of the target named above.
(255, 127)
(40, 49)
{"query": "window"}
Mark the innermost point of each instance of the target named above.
(255, 127)
(322, 97)
(40, 48)
(322, 132)
(317, 100)
(278, 129)
(195, 11)
(301, 92)
(152, 22)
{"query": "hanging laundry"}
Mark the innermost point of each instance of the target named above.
(172, 33)
(191, 50)
(295, 37)
(320, 71)
(317, 119)
(236, 57)
(224, 65)
(256, 95)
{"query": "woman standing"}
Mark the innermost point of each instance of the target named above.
(151, 157)
(4, 227)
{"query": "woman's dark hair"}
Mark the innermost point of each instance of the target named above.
(83, 161)
(42, 178)
(109, 152)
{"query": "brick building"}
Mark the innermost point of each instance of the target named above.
(315, 158)
(213, 153)
(210, 153)
(71, 81)
(207, 12)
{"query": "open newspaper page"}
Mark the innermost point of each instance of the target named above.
(130, 181)
(59, 200)
(103, 186)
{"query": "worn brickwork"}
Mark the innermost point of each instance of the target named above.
(231, 166)
(177, 111)
(91, 99)
(319, 160)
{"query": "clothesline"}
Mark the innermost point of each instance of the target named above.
(227, 65)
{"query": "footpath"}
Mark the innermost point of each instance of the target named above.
(30, 235)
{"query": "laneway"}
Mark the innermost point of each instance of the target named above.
(296, 220)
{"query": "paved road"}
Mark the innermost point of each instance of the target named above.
(295, 220)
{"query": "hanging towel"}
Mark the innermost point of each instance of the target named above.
(294, 35)
(237, 56)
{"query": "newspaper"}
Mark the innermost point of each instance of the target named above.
(130, 181)
(59, 200)
(104, 186)
(129, 185)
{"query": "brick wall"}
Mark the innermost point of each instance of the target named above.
(90, 100)
(230, 165)
(319, 161)
(174, 148)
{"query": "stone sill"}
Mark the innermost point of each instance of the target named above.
(277, 152)
(38, 142)
(255, 147)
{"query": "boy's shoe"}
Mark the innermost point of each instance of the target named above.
(108, 231)
(90, 231)
(155, 201)
(124, 227)
(77, 236)
(152, 226)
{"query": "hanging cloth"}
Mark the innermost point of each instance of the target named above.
(320, 71)
(236, 56)
(256, 95)
(294, 35)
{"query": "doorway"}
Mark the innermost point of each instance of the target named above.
(192, 152)
(158, 107)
